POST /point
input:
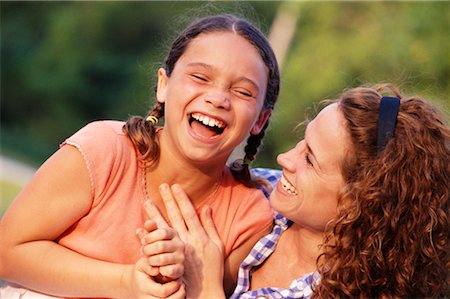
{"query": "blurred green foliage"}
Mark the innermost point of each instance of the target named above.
(64, 64)
(8, 190)
(345, 44)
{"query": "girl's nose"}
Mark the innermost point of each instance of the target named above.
(218, 99)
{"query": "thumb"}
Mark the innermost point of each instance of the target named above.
(144, 267)
(154, 214)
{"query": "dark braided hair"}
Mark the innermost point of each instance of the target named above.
(142, 132)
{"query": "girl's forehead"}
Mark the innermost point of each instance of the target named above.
(213, 39)
(226, 50)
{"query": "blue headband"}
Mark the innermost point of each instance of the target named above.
(387, 120)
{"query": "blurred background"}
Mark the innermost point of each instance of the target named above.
(64, 64)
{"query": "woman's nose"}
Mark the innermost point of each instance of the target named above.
(284, 159)
(288, 159)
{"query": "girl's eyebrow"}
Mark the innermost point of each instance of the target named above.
(200, 64)
(209, 67)
(250, 81)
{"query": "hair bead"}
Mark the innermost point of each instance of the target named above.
(152, 119)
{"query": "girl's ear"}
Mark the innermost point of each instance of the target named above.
(260, 123)
(162, 85)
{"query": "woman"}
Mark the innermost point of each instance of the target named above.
(367, 198)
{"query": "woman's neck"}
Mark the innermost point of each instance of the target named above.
(304, 247)
(295, 255)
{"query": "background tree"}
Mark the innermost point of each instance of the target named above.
(64, 64)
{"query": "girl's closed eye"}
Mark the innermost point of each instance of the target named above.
(199, 77)
(243, 92)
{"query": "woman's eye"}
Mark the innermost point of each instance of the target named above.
(308, 160)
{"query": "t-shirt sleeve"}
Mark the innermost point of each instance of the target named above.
(98, 144)
(255, 216)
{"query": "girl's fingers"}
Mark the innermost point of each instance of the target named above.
(161, 234)
(173, 212)
(187, 211)
(172, 271)
(150, 225)
(166, 290)
(154, 214)
(140, 233)
(167, 253)
(179, 294)
(147, 268)
(165, 259)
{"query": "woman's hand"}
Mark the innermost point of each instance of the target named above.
(203, 274)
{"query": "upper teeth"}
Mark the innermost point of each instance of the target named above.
(288, 186)
(208, 121)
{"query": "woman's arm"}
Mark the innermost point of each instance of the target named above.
(56, 198)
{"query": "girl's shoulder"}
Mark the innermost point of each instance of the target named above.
(107, 152)
(103, 135)
(103, 128)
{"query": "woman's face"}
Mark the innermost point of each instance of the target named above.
(308, 191)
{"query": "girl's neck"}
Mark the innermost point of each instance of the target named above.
(198, 181)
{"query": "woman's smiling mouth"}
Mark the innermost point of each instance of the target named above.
(287, 186)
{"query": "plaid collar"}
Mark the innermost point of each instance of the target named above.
(300, 287)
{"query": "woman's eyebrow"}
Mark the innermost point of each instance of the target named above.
(314, 156)
(310, 150)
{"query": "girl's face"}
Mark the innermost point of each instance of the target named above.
(308, 191)
(214, 97)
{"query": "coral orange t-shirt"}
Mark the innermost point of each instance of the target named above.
(117, 175)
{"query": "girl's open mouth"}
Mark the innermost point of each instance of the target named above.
(206, 125)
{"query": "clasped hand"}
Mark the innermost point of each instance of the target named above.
(191, 249)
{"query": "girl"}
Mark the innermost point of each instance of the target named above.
(70, 232)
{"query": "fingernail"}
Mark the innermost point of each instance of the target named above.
(163, 187)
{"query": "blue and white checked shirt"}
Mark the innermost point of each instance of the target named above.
(300, 287)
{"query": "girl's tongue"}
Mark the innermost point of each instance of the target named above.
(203, 130)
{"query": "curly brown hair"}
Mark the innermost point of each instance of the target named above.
(391, 236)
